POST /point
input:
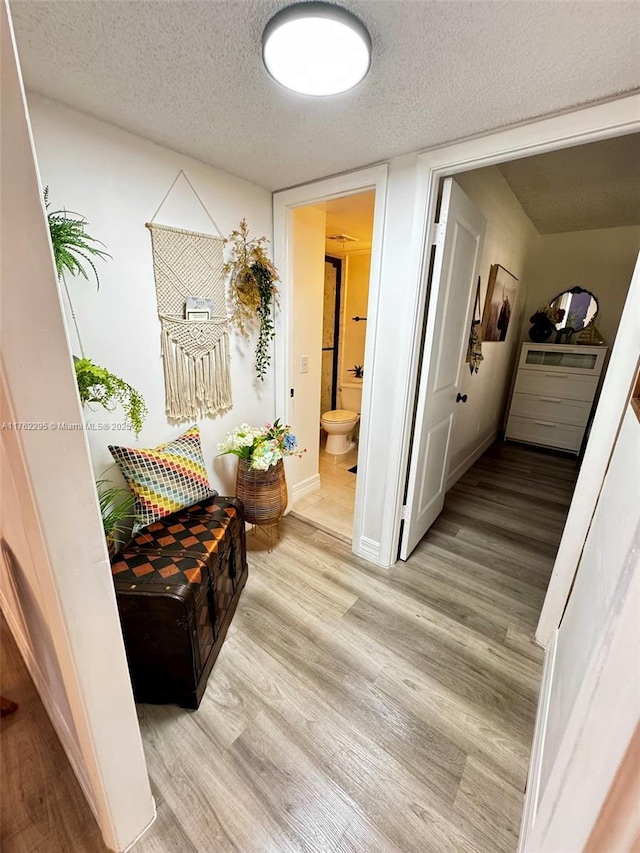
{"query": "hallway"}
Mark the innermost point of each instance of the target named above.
(358, 709)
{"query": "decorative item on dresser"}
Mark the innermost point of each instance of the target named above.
(544, 322)
(178, 583)
(553, 394)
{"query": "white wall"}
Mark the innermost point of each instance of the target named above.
(308, 238)
(56, 590)
(510, 239)
(357, 268)
(590, 703)
(600, 260)
(117, 180)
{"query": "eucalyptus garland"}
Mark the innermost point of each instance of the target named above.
(252, 291)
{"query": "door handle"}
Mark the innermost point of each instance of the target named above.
(461, 398)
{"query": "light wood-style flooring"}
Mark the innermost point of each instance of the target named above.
(42, 807)
(352, 709)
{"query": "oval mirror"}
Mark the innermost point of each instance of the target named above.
(580, 309)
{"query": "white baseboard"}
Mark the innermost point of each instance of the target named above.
(469, 460)
(368, 549)
(305, 487)
(54, 713)
(532, 795)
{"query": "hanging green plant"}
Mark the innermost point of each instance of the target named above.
(252, 291)
(72, 243)
(98, 385)
(116, 507)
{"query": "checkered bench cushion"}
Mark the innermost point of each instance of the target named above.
(197, 530)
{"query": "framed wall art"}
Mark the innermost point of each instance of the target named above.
(499, 304)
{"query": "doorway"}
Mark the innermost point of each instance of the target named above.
(300, 401)
(406, 206)
(547, 254)
(331, 247)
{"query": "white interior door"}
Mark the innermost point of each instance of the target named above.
(458, 248)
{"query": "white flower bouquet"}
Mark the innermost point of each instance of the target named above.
(262, 446)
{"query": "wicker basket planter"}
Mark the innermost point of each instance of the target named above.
(263, 493)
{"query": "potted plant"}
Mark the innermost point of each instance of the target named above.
(116, 506)
(252, 291)
(72, 247)
(71, 241)
(261, 484)
(357, 370)
(98, 385)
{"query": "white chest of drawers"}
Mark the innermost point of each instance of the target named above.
(553, 394)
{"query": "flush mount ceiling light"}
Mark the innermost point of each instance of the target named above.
(316, 49)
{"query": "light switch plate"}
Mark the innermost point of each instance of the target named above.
(304, 364)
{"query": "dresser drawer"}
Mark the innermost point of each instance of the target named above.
(539, 431)
(560, 358)
(554, 409)
(568, 386)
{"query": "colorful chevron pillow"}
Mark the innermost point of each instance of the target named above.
(166, 478)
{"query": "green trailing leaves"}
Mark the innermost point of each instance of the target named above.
(97, 385)
(263, 278)
(252, 291)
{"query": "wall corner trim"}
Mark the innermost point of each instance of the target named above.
(471, 459)
(532, 790)
(369, 550)
(305, 487)
(147, 827)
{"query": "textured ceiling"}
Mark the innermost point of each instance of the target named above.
(189, 75)
(576, 189)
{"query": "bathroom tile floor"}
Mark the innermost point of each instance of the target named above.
(331, 507)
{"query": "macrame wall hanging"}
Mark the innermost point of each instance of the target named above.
(195, 352)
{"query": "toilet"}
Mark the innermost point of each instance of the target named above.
(340, 424)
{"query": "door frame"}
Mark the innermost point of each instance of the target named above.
(284, 202)
(591, 124)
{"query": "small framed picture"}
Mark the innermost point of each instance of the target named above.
(199, 303)
(198, 315)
